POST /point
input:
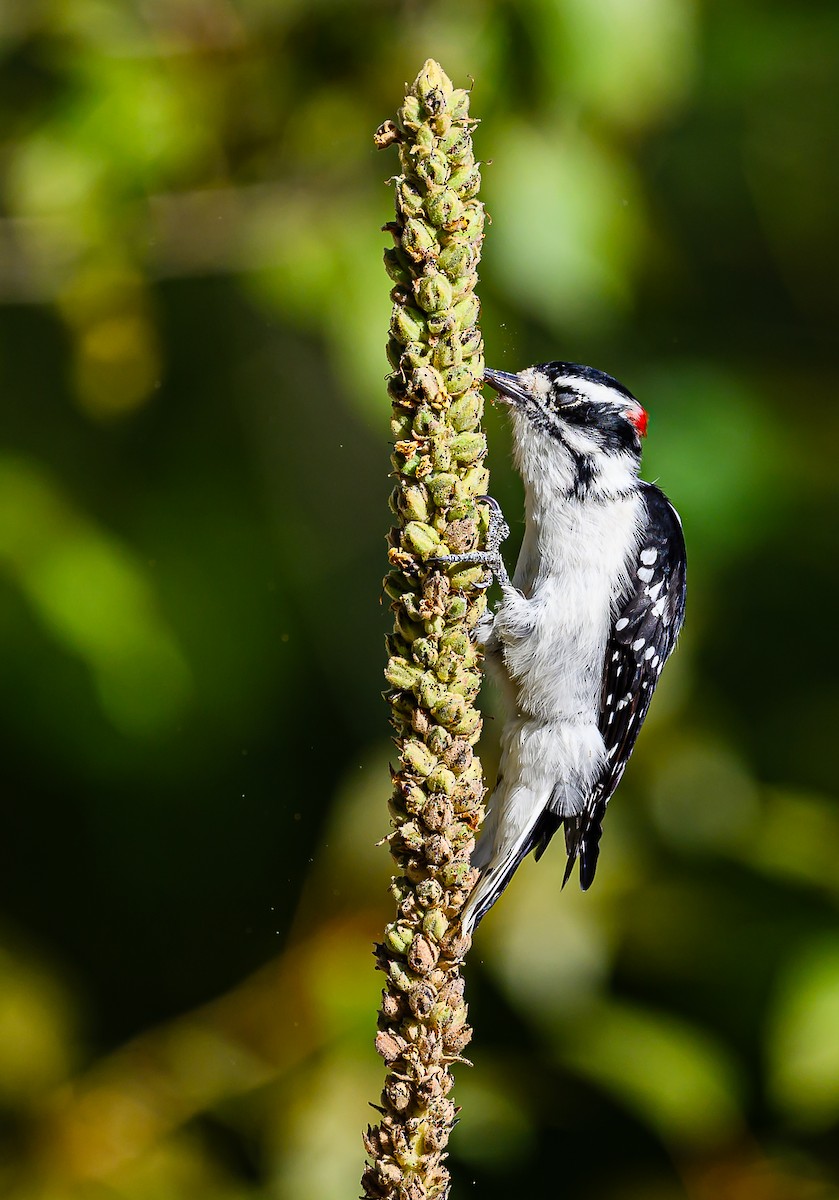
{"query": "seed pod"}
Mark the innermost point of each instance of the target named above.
(434, 169)
(407, 324)
(396, 266)
(457, 258)
(418, 240)
(422, 538)
(433, 291)
(444, 208)
(466, 181)
(398, 938)
(418, 758)
(401, 674)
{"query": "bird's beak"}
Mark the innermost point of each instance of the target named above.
(508, 386)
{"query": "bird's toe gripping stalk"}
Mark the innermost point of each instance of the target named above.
(497, 531)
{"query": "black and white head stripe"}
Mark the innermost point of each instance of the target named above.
(562, 396)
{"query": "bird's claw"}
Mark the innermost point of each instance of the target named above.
(497, 529)
(490, 558)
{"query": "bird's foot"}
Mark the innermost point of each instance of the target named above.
(491, 559)
(497, 531)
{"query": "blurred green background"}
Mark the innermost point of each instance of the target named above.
(193, 483)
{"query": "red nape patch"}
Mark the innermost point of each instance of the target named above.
(638, 418)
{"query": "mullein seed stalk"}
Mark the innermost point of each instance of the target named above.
(433, 670)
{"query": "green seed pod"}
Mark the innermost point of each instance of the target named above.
(434, 89)
(401, 978)
(459, 104)
(424, 651)
(441, 779)
(466, 578)
(456, 608)
(469, 726)
(431, 693)
(466, 312)
(434, 626)
(466, 181)
(414, 503)
(409, 113)
(416, 354)
(409, 630)
(460, 379)
(457, 258)
(443, 488)
(424, 540)
(447, 666)
(441, 324)
(473, 216)
(444, 208)
(418, 758)
(394, 353)
(471, 343)
(476, 481)
(457, 145)
(449, 709)
(418, 240)
(400, 424)
(466, 411)
(396, 267)
(445, 354)
(433, 291)
(456, 642)
(409, 200)
(435, 925)
(396, 647)
(466, 447)
(468, 684)
(434, 170)
(455, 874)
(429, 892)
(407, 324)
(394, 583)
(401, 674)
(425, 141)
(398, 938)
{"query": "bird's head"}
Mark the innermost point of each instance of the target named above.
(566, 400)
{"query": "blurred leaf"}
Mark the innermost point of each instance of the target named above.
(498, 1126)
(702, 796)
(94, 597)
(37, 1035)
(574, 225)
(797, 838)
(726, 492)
(671, 1074)
(645, 60)
(803, 1037)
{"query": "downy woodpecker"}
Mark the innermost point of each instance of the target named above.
(585, 626)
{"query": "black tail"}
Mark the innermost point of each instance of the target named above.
(582, 841)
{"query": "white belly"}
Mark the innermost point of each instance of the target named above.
(571, 571)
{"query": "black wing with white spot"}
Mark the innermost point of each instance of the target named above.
(644, 632)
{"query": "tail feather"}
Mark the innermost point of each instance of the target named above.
(582, 841)
(497, 875)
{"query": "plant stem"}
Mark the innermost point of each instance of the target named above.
(436, 805)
